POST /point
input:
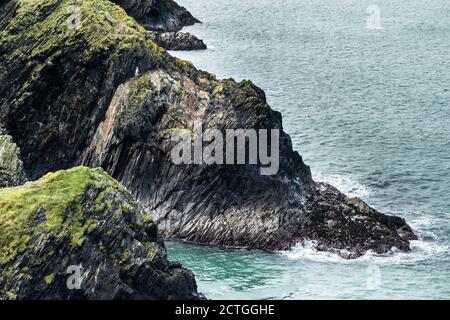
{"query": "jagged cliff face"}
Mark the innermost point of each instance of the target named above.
(57, 81)
(164, 19)
(158, 15)
(83, 218)
(78, 100)
(225, 205)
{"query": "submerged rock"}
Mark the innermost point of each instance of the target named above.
(81, 101)
(81, 220)
(349, 227)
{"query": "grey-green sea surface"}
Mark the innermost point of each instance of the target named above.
(368, 109)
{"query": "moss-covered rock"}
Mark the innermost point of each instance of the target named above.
(82, 217)
(226, 205)
(61, 59)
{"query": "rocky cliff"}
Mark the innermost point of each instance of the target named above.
(165, 19)
(158, 15)
(81, 223)
(227, 205)
(105, 95)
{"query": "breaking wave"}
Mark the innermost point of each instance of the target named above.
(421, 251)
(428, 247)
(345, 184)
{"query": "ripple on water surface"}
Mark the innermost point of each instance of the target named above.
(369, 111)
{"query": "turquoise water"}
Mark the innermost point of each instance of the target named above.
(369, 110)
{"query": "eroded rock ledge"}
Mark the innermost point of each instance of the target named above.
(77, 100)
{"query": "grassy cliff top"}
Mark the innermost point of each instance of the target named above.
(52, 206)
(41, 28)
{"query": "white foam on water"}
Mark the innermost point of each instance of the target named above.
(426, 248)
(307, 251)
(422, 222)
(420, 251)
(348, 185)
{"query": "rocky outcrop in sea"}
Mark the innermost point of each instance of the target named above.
(178, 41)
(158, 15)
(165, 19)
(11, 167)
(106, 96)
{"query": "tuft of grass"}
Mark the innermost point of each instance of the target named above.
(184, 65)
(49, 279)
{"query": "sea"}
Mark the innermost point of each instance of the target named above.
(364, 90)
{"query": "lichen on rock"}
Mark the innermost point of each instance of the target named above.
(227, 205)
(11, 167)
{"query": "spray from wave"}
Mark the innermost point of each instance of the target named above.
(347, 185)
(428, 247)
(420, 251)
